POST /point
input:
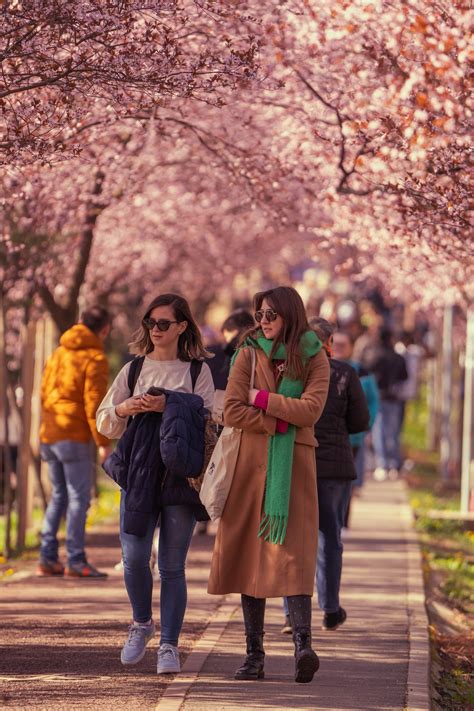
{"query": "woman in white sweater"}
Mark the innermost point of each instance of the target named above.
(169, 339)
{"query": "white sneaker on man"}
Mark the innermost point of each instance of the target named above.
(168, 659)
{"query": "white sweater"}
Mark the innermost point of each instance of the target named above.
(168, 374)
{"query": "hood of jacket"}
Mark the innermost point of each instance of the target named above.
(79, 337)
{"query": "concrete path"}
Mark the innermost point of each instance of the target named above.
(60, 640)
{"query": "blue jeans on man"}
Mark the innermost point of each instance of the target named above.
(176, 530)
(70, 466)
(386, 434)
(334, 496)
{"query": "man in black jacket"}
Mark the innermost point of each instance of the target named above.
(345, 413)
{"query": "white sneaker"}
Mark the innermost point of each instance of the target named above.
(134, 648)
(380, 474)
(393, 474)
(168, 659)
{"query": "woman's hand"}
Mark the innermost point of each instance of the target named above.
(129, 407)
(153, 403)
(253, 392)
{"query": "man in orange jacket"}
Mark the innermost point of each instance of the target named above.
(74, 383)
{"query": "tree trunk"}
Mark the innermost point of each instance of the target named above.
(65, 315)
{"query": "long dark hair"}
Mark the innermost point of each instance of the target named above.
(190, 345)
(289, 305)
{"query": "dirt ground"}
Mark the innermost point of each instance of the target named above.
(61, 639)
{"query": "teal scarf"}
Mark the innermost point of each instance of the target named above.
(280, 452)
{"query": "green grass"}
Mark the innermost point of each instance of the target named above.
(416, 422)
(448, 555)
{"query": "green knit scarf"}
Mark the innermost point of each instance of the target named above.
(280, 452)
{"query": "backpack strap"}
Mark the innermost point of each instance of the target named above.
(196, 367)
(134, 371)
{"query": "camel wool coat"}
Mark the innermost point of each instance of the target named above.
(242, 561)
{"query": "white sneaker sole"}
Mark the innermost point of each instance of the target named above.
(168, 671)
(139, 658)
(135, 661)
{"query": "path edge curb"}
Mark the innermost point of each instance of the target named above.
(177, 691)
(418, 679)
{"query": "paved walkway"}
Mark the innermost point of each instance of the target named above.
(61, 641)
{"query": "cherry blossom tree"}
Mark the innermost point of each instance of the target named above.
(66, 66)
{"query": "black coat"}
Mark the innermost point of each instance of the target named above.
(137, 466)
(345, 413)
(388, 367)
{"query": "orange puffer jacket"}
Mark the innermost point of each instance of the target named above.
(74, 384)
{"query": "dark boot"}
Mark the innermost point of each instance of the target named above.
(252, 668)
(253, 609)
(306, 659)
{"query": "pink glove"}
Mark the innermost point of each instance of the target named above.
(261, 401)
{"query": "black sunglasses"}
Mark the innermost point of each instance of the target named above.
(162, 324)
(269, 314)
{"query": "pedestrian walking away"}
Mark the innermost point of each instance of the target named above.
(390, 371)
(345, 412)
(342, 349)
(74, 382)
(267, 536)
(163, 395)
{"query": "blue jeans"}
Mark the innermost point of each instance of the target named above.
(70, 466)
(359, 463)
(176, 530)
(386, 434)
(334, 496)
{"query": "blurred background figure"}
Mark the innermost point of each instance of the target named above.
(74, 383)
(390, 371)
(233, 327)
(342, 348)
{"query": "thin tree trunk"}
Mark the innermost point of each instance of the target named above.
(65, 315)
(7, 458)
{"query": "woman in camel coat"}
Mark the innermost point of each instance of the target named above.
(245, 559)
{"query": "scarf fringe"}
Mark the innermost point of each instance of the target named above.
(273, 528)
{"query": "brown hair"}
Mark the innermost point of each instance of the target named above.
(322, 328)
(190, 345)
(95, 318)
(289, 305)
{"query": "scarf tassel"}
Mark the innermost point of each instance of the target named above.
(273, 528)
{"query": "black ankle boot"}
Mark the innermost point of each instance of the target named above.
(306, 659)
(252, 668)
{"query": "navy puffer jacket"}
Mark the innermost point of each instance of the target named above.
(154, 457)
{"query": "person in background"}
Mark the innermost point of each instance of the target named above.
(342, 348)
(390, 371)
(74, 382)
(235, 324)
(345, 412)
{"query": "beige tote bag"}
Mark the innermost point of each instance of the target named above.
(220, 470)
